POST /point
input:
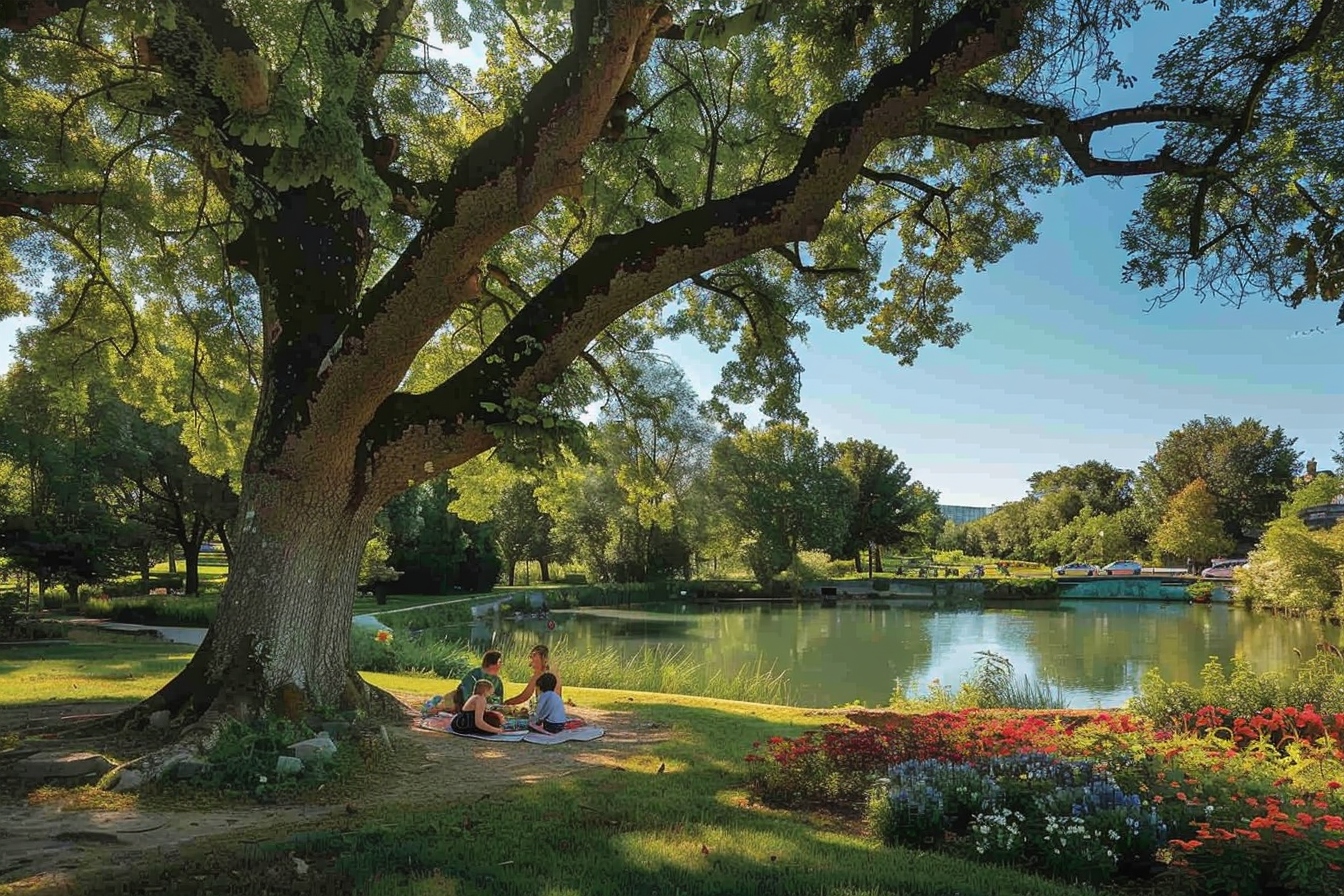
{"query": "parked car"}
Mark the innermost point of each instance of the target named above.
(1222, 569)
(1123, 568)
(1076, 569)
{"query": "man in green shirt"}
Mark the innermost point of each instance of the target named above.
(489, 671)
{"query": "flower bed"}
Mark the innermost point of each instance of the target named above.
(1219, 804)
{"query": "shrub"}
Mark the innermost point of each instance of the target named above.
(1319, 681)
(243, 759)
(1021, 589)
(1199, 591)
(993, 686)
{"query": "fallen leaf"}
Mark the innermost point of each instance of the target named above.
(704, 850)
(300, 866)
(662, 767)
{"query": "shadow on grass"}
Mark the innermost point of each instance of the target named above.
(687, 830)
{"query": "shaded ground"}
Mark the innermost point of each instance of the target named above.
(45, 839)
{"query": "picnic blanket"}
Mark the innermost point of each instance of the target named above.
(516, 731)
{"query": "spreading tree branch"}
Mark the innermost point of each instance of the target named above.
(12, 202)
(450, 423)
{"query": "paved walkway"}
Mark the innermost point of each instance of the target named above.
(176, 634)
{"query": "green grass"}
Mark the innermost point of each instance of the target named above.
(688, 830)
(172, 610)
(91, 668)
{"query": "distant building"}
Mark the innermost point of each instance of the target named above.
(956, 513)
(1323, 516)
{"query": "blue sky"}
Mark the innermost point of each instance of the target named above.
(1064, 363)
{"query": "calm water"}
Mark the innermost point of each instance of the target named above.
(1095, 651)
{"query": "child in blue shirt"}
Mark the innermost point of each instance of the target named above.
(550, 715)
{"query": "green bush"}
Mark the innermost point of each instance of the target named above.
(243, 759)
(190, 612)
(1021, 589)
(1199, 591)
(403, 653)
(1319, 681)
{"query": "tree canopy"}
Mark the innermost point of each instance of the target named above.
(1246, 467)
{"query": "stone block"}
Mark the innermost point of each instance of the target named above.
(190, 768)
(130, 779)
(62, 765)
(320, 747)
(160, 720)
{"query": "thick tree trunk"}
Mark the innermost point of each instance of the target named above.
(545, 569)
(281, 641)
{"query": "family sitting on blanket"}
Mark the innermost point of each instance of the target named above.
(471, 699)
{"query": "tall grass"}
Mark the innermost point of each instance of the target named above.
(991, 685)
(660, 668)
(192, 612)
(408, 654)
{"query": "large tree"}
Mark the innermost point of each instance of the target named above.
(884, 504)
(403, 257)
(1190, 528)
(782, 492)
(1247, 467)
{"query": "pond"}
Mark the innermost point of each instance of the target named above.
(1094, 651)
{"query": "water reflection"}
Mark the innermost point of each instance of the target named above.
(1095, 651)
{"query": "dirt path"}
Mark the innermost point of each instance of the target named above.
(43, 844)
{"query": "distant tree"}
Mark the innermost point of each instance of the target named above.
(160, 486)
(883, 504)
(434, 549)
(1247, 467)
(521, 530)
(929, 521)
(1338, 456)
(60, 523)
(1101, 486)
(584, 501)
(782, 492)
(1294, 567)
(1191, 527)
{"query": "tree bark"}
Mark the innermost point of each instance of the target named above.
(281, 641)
(191, 562)
(545, 568)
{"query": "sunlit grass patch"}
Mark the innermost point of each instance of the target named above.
(84, 672)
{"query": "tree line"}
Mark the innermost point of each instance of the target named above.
(92, 490)
(1209, 489)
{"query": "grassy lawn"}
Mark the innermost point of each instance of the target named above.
(92, 667)
(674, 818)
